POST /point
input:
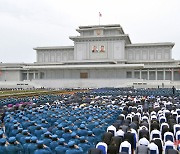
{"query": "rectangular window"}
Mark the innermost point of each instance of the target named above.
(168, 75)
(176, 75)
(152, 75)
(160, 75)
(84, 75)
(31, 76)
(144, 75)
(36, 75)
(137, 75)
(158, 55)
(151, 55)
(129, 75)
(42, 75)
(24, 76)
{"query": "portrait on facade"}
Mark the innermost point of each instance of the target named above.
(94, 48)
(102, 48)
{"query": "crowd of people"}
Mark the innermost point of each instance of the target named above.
(101, 121)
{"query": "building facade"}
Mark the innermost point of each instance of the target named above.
(102, 56)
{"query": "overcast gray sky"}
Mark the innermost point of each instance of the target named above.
(25, 24)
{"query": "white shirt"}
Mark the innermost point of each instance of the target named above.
(139, 115)
(153, 117)
(155, 131)
(112, 128)
(153, 146)
(168, 133)
(177, 119)
(168, 143)
(153, 113)
(177, 134)
(120, 133)
(129, 116)
(162, 117)
(145, 118)
(103, 144)
(125, 144)
(176, 126)
(162, 125)
(135, 132)
(143, 141)
(122, 116)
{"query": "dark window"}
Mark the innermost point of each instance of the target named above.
(129, 75)
(84, 75)
(42, 75)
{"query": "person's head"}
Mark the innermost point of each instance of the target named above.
(2, 141)
(102, 47)
(12, 140)
(1, 133)
(54, 137)
(71, 144)
(61, 141)
(40, 144)
(27, 139)
(47, 134)
(82, 139)
(33, 139)
(94, 48)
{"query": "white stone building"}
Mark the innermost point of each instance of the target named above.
(102, 56)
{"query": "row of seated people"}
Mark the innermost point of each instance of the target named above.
(135, 92)
(138, 130)
(64, 118)
(46, 128)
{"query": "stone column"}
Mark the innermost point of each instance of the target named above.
(27, 75)
(34, 75)
(156, 74)
(172, 74)
(164, 75)
(140, 74)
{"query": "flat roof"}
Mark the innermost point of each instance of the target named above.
(97, 26)
(150, 44)
(54, 47)
(85, 66)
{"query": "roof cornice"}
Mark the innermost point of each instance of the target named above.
(84, 38)
(150, 44)
(54, 48)
(97, 26)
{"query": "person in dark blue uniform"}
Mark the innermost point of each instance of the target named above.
(39, 131)
(19, 134)
(2, 146)
(42, 149)
(14, 147)
(33, 145)
(84, 144)
(62, 147)
(46, 138)
(67, 134)
(54, 143)
(25, 146)
(91, 138)
(14, 131)
(60, 130)
(73, 149)
(83, 131)
(75, 138)
(24, 135)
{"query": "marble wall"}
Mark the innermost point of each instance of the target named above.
(148, 53)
